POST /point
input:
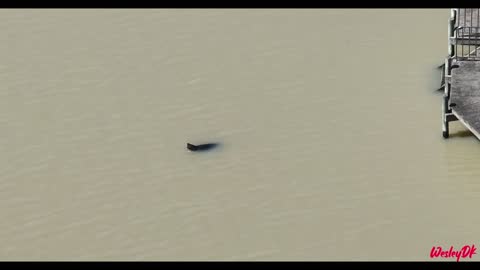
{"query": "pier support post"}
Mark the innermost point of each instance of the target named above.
(445, 127)
(446, 111)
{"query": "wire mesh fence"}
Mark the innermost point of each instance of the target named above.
(467, 34)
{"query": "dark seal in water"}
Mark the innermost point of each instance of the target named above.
(201, 147)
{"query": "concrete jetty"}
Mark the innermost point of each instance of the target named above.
(461, 71)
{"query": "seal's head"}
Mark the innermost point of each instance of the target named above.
(201, 147)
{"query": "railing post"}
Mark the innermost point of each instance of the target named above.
(451, 32)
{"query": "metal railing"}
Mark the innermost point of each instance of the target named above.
(467, 43)
(465, 34)
(468, 17)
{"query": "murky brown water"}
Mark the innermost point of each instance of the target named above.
(329, 125)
